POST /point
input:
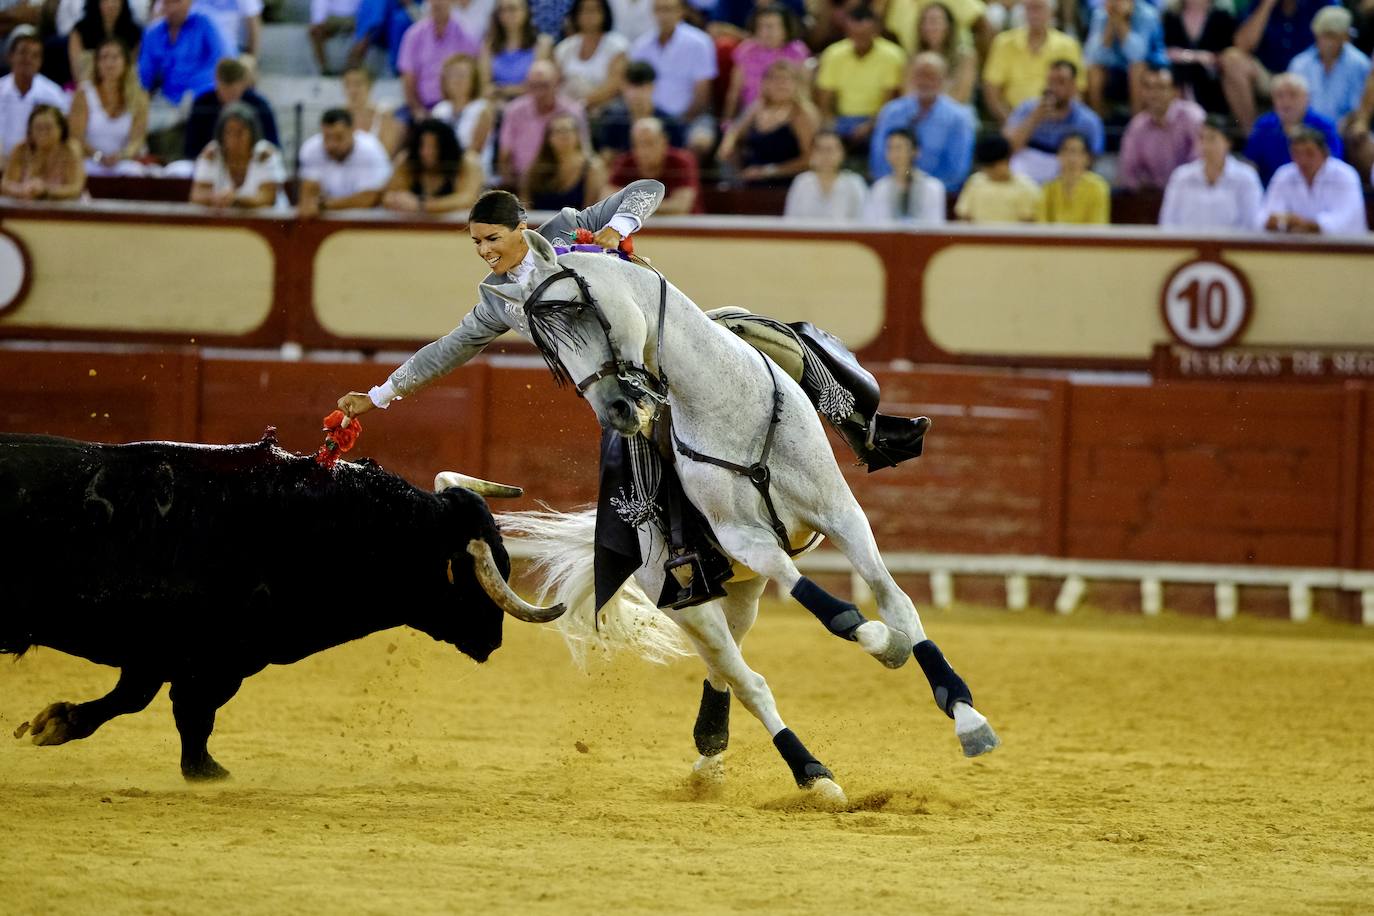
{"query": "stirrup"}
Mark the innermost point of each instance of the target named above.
(902, 440)
(687, 570)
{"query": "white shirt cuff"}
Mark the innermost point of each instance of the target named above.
(624, 223)
(383, 394)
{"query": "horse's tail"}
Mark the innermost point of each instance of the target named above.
(561, 547)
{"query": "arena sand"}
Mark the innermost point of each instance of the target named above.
(1159, 766)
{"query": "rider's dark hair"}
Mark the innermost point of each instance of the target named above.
(500, 208)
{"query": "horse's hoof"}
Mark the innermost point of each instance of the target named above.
(979, 740)
(53, 726)
(827, 794)
(890, 646)
(709, 771)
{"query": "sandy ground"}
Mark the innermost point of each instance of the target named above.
(1161, 766)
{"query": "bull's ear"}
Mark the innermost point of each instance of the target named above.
(544, 255)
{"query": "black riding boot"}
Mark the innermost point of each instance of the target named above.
(894, 439)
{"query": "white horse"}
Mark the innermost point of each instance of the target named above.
(722, 394)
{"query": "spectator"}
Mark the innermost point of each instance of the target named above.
(771, 141)
(232, 84)
(1334, 70)
(774, 36)
(1268, 145)
(1215, 191)
(1195, 35)
(1316, 193)
(684, 61)
(382, 23)
(1077, 194)
(1356, 130)
(1035, 128)
(1018, 64)
(592, 59)
(46, 165)
(341, 168)
(176, 63)
(110, 114)
(327, 19)
(240, 167)
(527, 118)
(935, 33)
(103, 20)
(734, 19)
(367, 116)
(434, 174)
(857, 76)
(636, 101)
(239, 23)
(996, 194)
(632, 18)
(902, 17)
(827, 193)
(1125, 37)
(1161, 137)
(905, 194)
(24, 88)
(942, 127)
(650, 156)
(474, 16)
(563, 173)
(511, 49)
(18, 14)
(1273, 34)
(424, 48)
(549, 16)
(465, 108)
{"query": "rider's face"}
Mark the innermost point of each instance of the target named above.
(502, 248)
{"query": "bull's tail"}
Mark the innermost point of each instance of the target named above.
(561, 548)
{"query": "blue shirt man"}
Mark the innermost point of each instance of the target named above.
(1144, 41)
(1285, 35)
(179, 53)
(1267, 147)
(1079, 119)
(943, 127)
(1334, 69)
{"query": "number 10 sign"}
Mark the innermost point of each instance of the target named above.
(1206, 304)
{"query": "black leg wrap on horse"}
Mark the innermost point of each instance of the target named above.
(839, 617)
(712, 731)
(805, 768)
(948, 687)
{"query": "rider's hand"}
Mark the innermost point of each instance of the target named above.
(355, 403)
(607, 238)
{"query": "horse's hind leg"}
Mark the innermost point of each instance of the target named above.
(712, 729)
(59, 723)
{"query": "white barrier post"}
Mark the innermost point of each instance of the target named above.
(1228, 600)
(941, 588)
(1018, 592)
(1299, 602)
(1070, 593)
(1151, 597)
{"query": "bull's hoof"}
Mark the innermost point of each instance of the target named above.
(890, 646)
(54, 725)
(206, 770)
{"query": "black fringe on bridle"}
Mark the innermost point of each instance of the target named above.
(554, 323)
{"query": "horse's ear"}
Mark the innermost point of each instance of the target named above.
(544, 255)
(510, 292)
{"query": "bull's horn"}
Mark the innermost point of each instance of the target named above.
(499, 590)
(447, 479)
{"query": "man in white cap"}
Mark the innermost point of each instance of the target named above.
(1335, 69)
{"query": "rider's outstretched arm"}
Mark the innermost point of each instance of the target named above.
(625, 211)
(434, 360)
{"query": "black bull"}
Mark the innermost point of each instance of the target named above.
(199, 566)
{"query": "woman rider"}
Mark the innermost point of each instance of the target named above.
(495, 223)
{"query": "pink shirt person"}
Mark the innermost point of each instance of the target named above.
(752, 58)
(527, 116)
(1161, 137)
(423, 52)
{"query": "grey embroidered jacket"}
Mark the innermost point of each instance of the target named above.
(492, 317)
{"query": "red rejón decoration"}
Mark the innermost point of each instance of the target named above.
(338, 438)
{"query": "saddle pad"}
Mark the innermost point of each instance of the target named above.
(764, 335)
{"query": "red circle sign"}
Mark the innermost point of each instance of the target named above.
(1206, 304)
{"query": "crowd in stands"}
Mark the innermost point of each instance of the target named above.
(1246, 114)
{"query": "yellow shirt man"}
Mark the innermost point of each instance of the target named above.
(861, 84)
(1019, 72)
(902, 16)
(1090, 202)
(1016, 199)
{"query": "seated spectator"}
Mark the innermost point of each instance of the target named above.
(1316, 193)
(424, 48)
(827, 193)
(239, 23)
(592, 59)
(474, 16)
(1274, 33)
(20, 14)
(612, 129)
(1215, 191)
(1018, 63)
(1334, 70)
(368, 117)
(1196, 32)
(24, 88)
(1125, 37)
(632, 18)
(233, 83)
(466, 109)
(858, 76)
(996, 194)
(341, 168)
(239, 167)
(734, 19)
(526, 119)
(103, 20)
(684, 61)
(563, 174)
(511, 48)
(1035, 128)
(46, 165)
(1359, 144)
(771, 141)
(942, 127)
(110, 114)
(774, 35)
(905, 194)
(176, 64)
(327, 19)
(901, 18)
(434, 174)
(1161, 137)
(936, 34)
(1267, 146)
(550, 16)
(1077, 194)
(650, 156)
(382, 24)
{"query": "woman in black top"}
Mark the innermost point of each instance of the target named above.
(103, 20)
(1195, 34)
(433, 174)
(562, 174)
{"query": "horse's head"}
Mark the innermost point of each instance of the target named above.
(592, 338)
